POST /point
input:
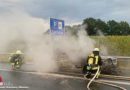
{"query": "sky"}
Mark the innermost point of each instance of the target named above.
(72, 11)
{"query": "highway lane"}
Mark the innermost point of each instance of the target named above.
(38, 82)
(34, 81)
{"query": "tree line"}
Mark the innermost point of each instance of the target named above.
(94, 26)
(110, 27)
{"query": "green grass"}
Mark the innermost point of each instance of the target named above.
(116, 45)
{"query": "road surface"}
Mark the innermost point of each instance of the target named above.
(43, 82)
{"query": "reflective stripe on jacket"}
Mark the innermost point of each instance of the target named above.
(94, 68)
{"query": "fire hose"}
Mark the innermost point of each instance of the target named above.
(93, 78)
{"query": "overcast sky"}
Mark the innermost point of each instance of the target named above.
(71, 10)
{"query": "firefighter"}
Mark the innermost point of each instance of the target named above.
(16, 56)
(92, 63)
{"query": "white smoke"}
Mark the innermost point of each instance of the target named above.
(41, 48)
(76, 48)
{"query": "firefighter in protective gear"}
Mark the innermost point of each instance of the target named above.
(93, 62)
(16, 57)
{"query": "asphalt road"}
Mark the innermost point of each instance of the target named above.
(42, 82)
(35, 82)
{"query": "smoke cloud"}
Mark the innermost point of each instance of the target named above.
(40, 47)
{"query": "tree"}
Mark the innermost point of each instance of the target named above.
(116, 28)
(90, 26)
(102, 26)
(124, 28)
(110, 28)
(93, 25)
(113, 27)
